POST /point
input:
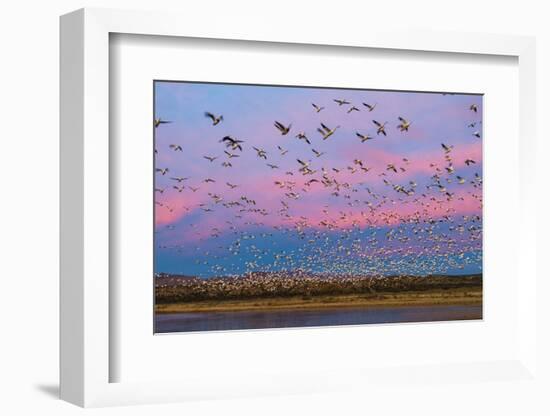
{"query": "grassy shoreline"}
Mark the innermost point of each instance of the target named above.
(456, 296)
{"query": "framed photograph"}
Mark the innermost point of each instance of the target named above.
(285, 213)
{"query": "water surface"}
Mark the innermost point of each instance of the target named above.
(223, 321)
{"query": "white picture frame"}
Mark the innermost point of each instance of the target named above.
(86, 355)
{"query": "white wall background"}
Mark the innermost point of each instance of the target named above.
(29, 209)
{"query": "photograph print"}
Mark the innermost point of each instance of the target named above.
(292, 206)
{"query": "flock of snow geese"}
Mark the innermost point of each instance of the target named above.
(372, 236)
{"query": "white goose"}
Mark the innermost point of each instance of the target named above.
(381, 127)
(404, 125)
(341, 102)
(326, 131)
(282, 128)
(363, 137)
(159, 121)
(176, 147)
(317, 108)
(369, 106)
(215, 120)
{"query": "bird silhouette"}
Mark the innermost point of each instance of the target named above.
(317, 108)
(404, 124)
(215, 120)
(381, 127)
(282, 128)
(326, 132)
(341, 102)
(363, 137)
(369, 106)
(159, 121)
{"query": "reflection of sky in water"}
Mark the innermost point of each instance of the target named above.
(212, 321)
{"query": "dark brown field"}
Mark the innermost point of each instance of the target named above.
(260, 291)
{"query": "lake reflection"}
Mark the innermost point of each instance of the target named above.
(223, 321)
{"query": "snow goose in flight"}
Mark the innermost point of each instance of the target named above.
(317, 153)
(215, 120)
(159, 121)
(302, 136)
(282, 128)
(176, 147)
(381, 127)
(283, 151)
(447, 148)
(261, 153)
(363, 137)
(404, 125)
(326, 131)
(232, 143)
(341, 102)
(317, 108)
(369, 106)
